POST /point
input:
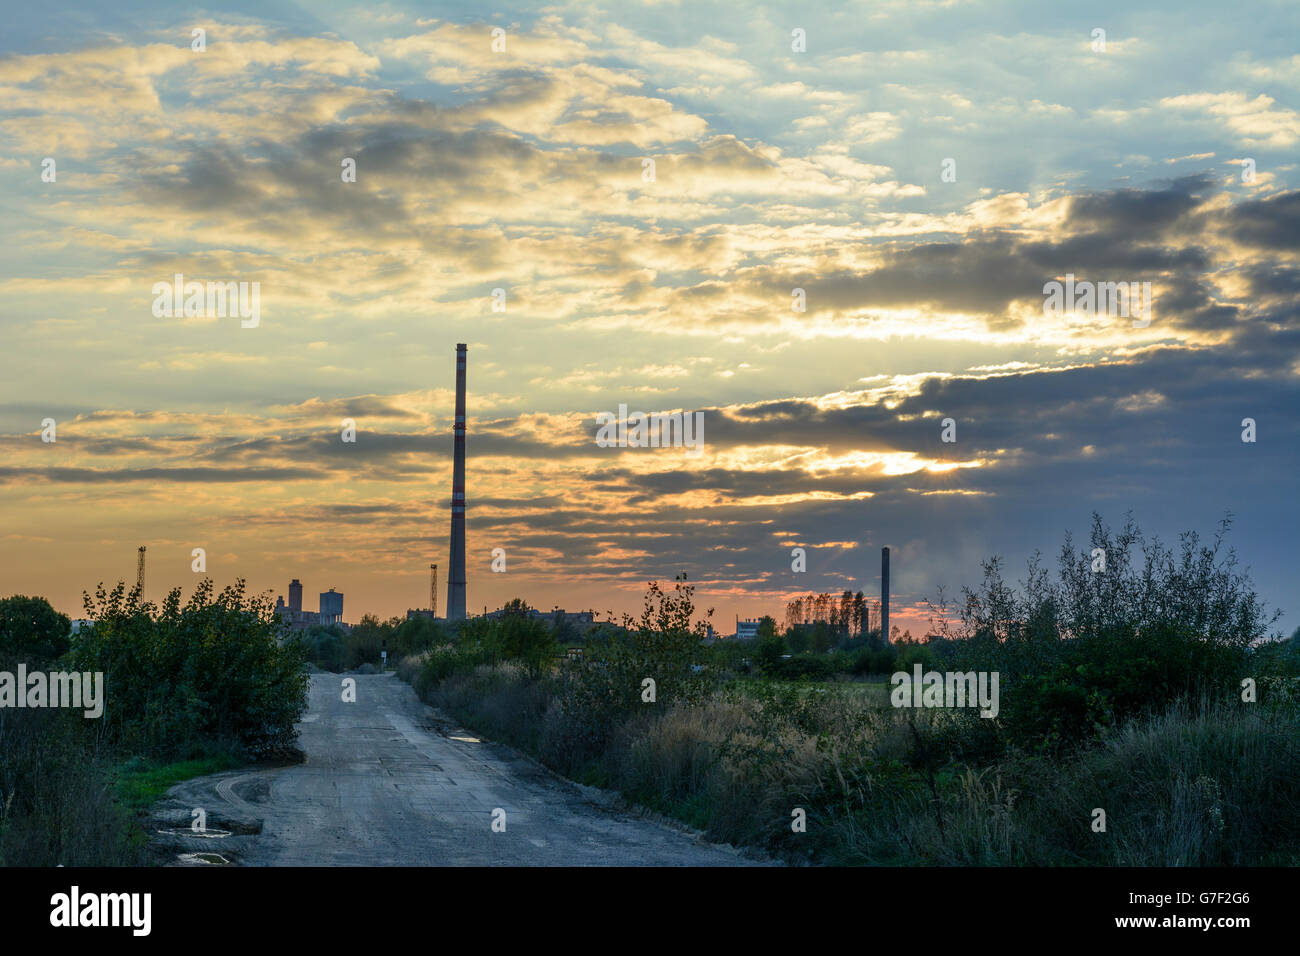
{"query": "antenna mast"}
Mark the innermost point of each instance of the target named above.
(433, 589)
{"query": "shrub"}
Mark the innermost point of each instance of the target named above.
(440, 663)
(32, 631)
(526, 639)
(56, 799)
(1096, 648)
(909, 655)
(214, 669)
(607, 685)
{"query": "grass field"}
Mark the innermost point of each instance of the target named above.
(875, 691)
(139, 784)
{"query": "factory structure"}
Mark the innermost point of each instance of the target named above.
(455, 606)
(456, 566)
(330, 604)
(331, 601)
(330, 613)
(884, 594)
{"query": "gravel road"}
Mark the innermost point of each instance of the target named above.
(388, 782)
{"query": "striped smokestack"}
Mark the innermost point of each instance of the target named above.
(884, 594)
(456, 575)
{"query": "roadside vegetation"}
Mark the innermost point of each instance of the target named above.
(189, 689)
(1154, 690)
(1120, 691)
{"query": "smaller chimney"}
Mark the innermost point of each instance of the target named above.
(884, 594)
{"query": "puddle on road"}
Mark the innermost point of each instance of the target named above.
(209, 834)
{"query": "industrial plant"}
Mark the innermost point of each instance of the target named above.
(330, 613)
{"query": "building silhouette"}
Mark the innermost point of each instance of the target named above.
(331, 607)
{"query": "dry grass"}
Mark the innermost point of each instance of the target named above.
(1215, 785)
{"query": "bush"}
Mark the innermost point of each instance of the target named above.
(56, 797)
(1097, 648)
(607, 685)
(810, 667)
(32, 631)
(441, 663)
(909, 655)
(527, 639)
(216, 669)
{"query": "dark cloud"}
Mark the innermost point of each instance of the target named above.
(1145, 214)
(1272, 223)
(91, 476)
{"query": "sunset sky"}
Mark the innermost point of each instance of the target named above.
(523, 170)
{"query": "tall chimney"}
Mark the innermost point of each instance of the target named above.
(884, 594)
(456, 574)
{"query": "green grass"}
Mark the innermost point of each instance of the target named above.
(139, 785)
(874, 690)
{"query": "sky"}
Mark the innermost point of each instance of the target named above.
(647, 184)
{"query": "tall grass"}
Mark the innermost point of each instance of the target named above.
(57, 801)
(1213, 784)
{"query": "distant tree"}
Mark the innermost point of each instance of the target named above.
(797, 638)
(563, 629)
(530, 641)
(368, 639)
(515, 607)
(844, 617)
(794, 613)
(32, 631)
(323, 645)
(768, 651)
(821, 607)
(418, 634)
(860, 622)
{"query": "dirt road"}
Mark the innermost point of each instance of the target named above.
(387, 782)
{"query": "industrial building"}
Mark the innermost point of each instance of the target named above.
(331, 601)
(330, 613)
(580, 620)
(331, 607)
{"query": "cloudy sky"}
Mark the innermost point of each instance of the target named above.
(1168, 156)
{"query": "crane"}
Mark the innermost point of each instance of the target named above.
(139, 571)
(433, 590)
